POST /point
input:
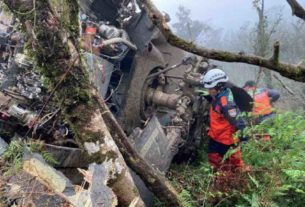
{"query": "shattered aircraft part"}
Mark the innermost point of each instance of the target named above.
(26, 117)
(67, 157)
(157, 147)
(23, 61)
(100, 71)
(119, 70)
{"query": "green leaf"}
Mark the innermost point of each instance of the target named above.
(254, 201)
(254, 181)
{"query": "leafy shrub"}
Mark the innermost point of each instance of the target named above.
(278, 169)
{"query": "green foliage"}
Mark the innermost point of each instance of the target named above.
(186, 199)
(278, 166)
(158, 203)
(4, 8)
(278, 169)
(13, 155)
(38, 147)
(193, 182)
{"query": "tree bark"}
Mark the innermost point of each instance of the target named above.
(297, 9)
(156, 182)
(293, 72)
(54, 42)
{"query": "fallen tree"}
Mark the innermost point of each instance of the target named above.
(294, 72)
(53, 35)
(54, 47)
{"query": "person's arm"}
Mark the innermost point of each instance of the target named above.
(204, 94)
(233, 115)
(274, 95)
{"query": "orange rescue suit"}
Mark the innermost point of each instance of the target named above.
(262, 105)
(220, 128)
(224, 122)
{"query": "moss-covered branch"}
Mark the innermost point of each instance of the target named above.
(294, 72)
(297, 9)
(54, 47)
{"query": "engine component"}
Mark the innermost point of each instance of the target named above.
(109, 32)
(25, 116)
(181, 109)
(157, 97)
(119, 40)
(157, 147)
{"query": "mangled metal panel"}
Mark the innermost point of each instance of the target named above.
(105, 10)
(100, 71)
(141, 30)
(155, 147)
(67, 157)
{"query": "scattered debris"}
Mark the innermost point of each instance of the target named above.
(125, 60)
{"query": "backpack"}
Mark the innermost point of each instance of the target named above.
(241, 97)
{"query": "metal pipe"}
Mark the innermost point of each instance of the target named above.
(119, 40)
(160, 98)
(165, 70)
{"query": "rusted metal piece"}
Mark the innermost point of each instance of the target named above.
(158, 97)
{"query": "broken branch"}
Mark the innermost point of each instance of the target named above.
(297, 9)
(276, 52)
(288, 70)
(284, 85)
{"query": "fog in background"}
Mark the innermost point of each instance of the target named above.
(234, 25)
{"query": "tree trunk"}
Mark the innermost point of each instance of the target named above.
(261, 45)
(156, 182)
(54, 48)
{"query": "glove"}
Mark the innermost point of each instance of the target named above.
(202, 92)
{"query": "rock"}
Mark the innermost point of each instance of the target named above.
(35, 165)
(97, 195)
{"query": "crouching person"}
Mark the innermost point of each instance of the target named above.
(224, 122)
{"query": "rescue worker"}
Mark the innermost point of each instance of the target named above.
(263, 99)
(262, 106)
(224, 122)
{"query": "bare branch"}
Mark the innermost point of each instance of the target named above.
(297, 9)
(288, 70)
(284, 85)
(276, 52)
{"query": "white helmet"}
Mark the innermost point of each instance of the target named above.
(213, 77)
